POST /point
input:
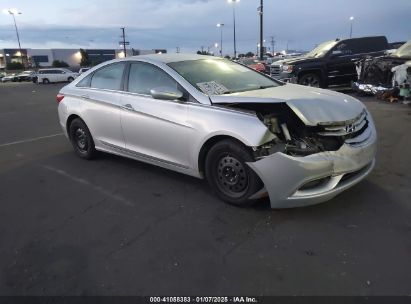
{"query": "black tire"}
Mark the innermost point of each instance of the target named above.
(70, 79)
(311, 80)
(46, 81)
(81, 139)
(228, 174)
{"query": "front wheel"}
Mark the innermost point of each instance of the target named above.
(311, 80)
(70, 79)
(46, 81)
(228, 174)
(81, 139)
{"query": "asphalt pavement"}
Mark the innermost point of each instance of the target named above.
(114, 226)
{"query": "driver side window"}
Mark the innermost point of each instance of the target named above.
(144, 76)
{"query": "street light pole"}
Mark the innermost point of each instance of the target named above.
(221, 25)
(124, 41)
(13, 12)
(235, 42)
(261, 12)
(351, 19)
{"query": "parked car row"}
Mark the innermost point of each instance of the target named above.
(44, 76)
(332, 63)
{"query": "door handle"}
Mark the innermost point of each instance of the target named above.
(127, 107)
(85, 96)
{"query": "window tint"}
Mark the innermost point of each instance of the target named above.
(144, 77)
(84, 83)
(109, 77)
(346, 48)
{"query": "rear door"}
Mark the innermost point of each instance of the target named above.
(100, 104)
(154, 129)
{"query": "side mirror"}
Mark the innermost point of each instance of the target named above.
(166, 93)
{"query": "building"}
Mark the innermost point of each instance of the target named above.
(45, 57)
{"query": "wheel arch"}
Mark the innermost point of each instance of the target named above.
(208, 144)
(70, 118)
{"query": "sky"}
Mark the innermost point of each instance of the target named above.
(190, 24)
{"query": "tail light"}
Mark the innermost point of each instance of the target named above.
(59, 97)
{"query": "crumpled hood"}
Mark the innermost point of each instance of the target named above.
(311, 105)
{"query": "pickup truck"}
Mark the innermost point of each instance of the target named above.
(332, 63)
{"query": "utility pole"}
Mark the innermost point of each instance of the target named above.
(124, 42)
(272, 44)
(261, 12)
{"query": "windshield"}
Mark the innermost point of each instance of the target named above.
(220, 76)
(404, 50)
(321, 49)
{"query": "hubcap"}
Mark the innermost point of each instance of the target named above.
(81, 139)
(232, 176)
(311, 81)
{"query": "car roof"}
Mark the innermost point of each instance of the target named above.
(168, 58)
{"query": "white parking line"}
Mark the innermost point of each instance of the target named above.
(90, 185)
(29, 140)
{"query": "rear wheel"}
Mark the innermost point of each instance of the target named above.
(46, 81)
(70, 79)
(229, 175)
(311, 80)
(81, 139)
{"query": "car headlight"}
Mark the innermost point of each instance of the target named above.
(287, 68)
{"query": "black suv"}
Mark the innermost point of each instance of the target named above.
(330, 64)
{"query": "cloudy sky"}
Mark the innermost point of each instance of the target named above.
(190, 24)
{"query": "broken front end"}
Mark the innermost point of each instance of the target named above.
(305, 165)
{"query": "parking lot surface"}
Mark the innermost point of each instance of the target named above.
(114, 226)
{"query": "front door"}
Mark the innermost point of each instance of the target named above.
(154, 129)
(340, 63)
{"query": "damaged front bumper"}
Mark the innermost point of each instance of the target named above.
(301, 181)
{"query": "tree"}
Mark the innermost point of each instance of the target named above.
(203, 53)
(60, 64)
(249, 54)
(85, 61)
(15, 66)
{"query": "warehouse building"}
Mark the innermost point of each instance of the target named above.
(45, 57)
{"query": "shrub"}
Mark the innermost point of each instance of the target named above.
(60, 64)
(15, 66)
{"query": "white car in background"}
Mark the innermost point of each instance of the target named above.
(55, 75)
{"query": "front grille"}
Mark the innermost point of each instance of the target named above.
(347, 129)
(275, 71)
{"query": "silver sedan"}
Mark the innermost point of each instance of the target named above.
(248, 135)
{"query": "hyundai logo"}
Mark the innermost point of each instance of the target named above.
(350, 128)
